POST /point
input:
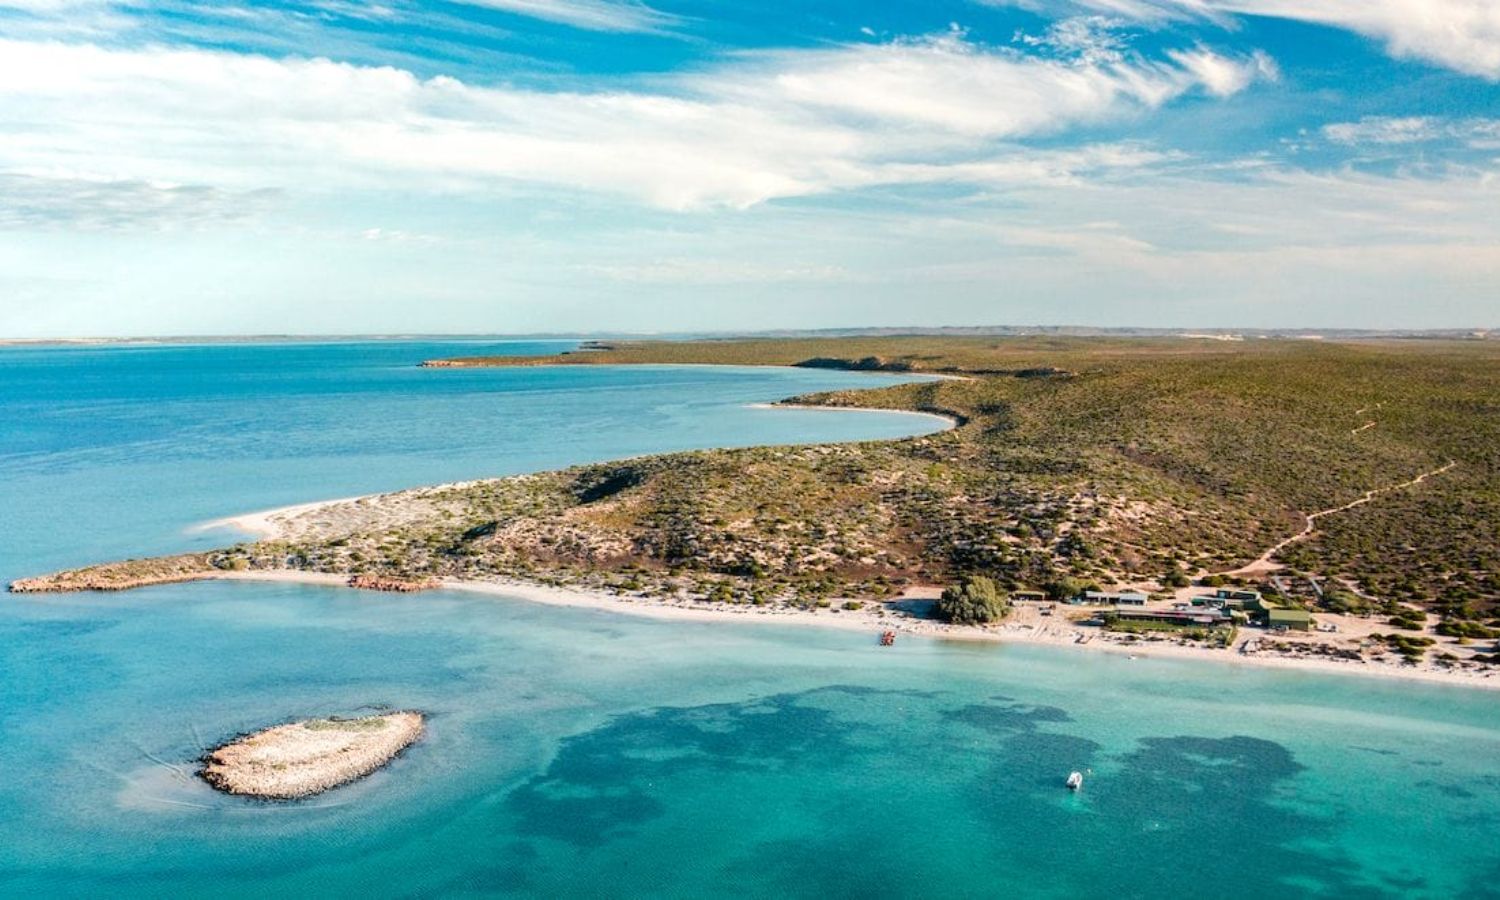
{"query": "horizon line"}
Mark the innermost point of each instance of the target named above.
(1210, 332)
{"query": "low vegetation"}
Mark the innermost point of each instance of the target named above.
(1076, 462)
(1214, 635)
(1409, 647)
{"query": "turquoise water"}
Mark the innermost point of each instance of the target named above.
(580, 753)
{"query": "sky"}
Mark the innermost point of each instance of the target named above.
(512, 166)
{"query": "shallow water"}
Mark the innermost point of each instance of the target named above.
(575, 752)
(114, 451)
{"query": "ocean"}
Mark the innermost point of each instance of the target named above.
(576, 752)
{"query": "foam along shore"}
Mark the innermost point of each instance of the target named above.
(305, 758)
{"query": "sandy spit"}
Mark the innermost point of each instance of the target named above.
(949, 421)
(266, 523)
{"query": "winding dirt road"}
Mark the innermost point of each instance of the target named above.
(1265, 562)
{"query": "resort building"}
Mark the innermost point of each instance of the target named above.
(1290, 619)
(1115, 598)
(1231, 598)
(1209, 617)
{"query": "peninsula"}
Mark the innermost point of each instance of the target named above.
(1352, 487)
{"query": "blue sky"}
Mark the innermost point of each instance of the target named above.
(337, 166)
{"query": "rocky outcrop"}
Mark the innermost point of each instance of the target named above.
(120, 576)
(305, 758)
(392, 584)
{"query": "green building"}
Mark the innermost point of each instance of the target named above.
(1290, 619)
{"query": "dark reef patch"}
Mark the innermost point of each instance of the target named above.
(602, 781)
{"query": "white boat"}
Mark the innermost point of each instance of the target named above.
(1075, 781)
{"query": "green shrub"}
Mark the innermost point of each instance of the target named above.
(1347, 602)
(1411, 648)
(1461, 629)
(975, 601)
(1063, 589)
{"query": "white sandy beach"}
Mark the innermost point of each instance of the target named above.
(267, 522)
(948, 421)
(1025, 626)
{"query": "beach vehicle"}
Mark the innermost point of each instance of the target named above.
(1075, 781)
(887, 638)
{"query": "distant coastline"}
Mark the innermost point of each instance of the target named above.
(1186, 332)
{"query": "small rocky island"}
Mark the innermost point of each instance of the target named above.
(305, 758)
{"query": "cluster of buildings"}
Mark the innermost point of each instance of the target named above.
(1224, 606)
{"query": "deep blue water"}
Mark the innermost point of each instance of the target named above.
(580, 753)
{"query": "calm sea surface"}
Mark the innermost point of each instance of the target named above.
(580, 753)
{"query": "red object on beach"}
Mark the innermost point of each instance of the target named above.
(888, 638)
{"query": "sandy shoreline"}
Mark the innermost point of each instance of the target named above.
(1025, 627)
(263, 524)
(949, 421)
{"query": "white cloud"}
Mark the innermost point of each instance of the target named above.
(1463, 35)
(1092, 39)
(397, 236)
(1174, 245)
(50, 6)
(716, 271)
(593, 15)
(777, 125)
(1221, 76)
(80, 20)
(1274, 248)
(35, 201)
(1387, 130)
(1459, 34)
(954, 87)
(1383, 130)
